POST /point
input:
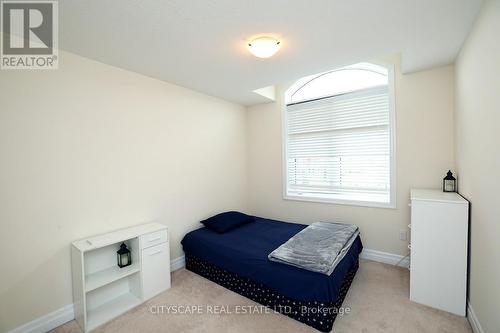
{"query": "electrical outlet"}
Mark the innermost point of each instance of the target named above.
(403, 235)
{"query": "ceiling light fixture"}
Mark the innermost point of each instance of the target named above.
(264, 47)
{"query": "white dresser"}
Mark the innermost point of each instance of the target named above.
(101, 289)
(439, 239)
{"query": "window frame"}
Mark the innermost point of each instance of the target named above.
(392, 138)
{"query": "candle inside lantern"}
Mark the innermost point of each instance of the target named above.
(123, 256)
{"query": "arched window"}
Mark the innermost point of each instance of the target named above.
(339, 136)
(336, 82)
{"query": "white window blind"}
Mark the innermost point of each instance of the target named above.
(339, 147)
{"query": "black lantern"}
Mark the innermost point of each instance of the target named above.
(449, 183)
(123, 256)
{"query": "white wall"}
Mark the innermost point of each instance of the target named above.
(478, 158)
(90, 148)
(424, 148)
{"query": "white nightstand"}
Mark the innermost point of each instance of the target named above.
(439, 240)
(101, 289)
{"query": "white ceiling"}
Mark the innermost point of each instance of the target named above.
(200, 44)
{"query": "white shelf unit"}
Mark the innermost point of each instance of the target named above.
(439, 238)
(108, 275)
(101, 289)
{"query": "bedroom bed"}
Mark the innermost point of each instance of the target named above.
(238, 260)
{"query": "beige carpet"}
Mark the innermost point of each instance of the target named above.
(378, 300)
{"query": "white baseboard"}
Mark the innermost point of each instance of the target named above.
(177, 263)
(368, 254)
(474, 322)
(47, 322)
(384, 257)
(65, 314)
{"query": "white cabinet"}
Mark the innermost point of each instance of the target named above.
(153, 238)
(439, 240)
(155, 275)
(101, 289)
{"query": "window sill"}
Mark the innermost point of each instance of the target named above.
(338, 201)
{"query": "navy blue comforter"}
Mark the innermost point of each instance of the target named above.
(244, 251)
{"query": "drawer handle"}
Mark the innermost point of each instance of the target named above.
(156, 252)
(154, 239)
(409, 246)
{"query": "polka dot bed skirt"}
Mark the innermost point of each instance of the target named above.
(318, 315)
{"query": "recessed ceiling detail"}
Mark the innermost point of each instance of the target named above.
(202, 44)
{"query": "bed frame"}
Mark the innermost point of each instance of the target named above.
(318, 315)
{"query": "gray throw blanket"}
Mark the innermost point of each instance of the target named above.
(318, 248)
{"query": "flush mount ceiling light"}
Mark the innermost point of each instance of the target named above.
(264, 47)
